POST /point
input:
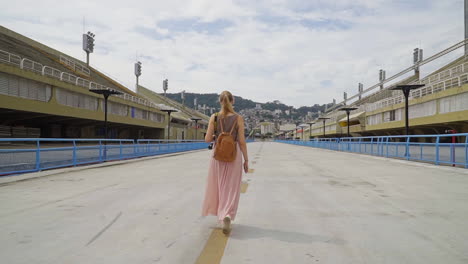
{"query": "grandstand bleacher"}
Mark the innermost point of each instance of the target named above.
(42, 89)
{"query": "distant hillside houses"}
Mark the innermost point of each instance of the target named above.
(267, 128)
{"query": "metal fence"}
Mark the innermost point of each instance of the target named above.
(446, 149)
(20, 155)
(30, 65)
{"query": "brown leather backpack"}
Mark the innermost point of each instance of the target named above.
(226, 146)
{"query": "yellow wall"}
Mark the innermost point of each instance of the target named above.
(53, 108)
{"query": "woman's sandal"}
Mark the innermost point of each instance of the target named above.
(226, 225)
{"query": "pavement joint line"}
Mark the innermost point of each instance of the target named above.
(104, 229)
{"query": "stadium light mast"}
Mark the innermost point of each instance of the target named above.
(381, 78)
(165, 86)
(360, 90)
(88, 44)
(137, 73)
(417, 59)
(182, 96)
(466, 26)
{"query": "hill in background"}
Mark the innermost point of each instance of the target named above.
(211, 100)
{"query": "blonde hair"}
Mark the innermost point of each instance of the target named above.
(226, 99)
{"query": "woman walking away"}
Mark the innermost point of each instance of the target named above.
(226, 128)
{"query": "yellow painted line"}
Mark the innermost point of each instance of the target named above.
(251, 170)
(244, 186)
(214, 248)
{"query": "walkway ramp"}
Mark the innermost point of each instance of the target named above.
(300, 205)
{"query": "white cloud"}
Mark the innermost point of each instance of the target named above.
(269, 49)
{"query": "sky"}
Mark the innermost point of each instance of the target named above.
(299, 52)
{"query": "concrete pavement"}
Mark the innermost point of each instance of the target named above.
(302, 205)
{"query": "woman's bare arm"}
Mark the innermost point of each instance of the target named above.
(242, 143)
(210, 132)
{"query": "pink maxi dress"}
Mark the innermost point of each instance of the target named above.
(224, 179)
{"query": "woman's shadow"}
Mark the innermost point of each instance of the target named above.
(244, 232)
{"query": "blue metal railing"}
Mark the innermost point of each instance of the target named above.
(21, 155)
(448, 149)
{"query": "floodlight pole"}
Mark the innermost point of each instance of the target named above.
(88, 45)
(466, 25)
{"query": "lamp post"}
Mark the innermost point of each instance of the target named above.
(348, 111)
(196, 119)
(169, 111)
(310, 129)
(324, 119)
(106, 93)
(406, 91)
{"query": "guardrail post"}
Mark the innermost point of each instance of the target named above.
(74, 153)
(38, 155)
(421, 152)
(407, 154)
(386, 151)
(120, 149)
(466, 152)
(437, 150)
(100, 151)
(135, 151)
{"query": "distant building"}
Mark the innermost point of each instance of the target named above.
(258, 107)
(287, 127)
(278, 112)
(287, 112)
(267, 127)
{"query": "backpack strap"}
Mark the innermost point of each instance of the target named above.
(234, 125)
(216, 123)
(221, 123)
